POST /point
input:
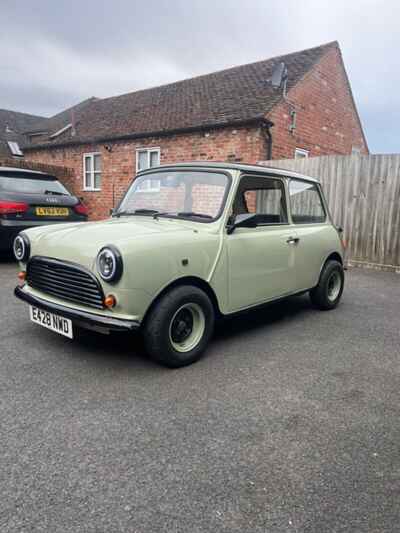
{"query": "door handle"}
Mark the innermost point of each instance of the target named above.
(293, 240)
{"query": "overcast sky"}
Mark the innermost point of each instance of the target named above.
(54, 53)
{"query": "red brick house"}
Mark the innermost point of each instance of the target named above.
(234, 115)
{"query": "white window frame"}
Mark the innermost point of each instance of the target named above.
(301, 153)
(92, 172)
(148, 151)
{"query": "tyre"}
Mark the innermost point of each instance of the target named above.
(179, 326)
(326, 295)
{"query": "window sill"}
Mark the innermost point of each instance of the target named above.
(91, 190)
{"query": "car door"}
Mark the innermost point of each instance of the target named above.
(261, 259)
(313, 228)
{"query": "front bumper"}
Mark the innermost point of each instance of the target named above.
(102, 324)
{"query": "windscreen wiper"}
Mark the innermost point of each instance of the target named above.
(193, 214)
(136, 212)
(54, 192)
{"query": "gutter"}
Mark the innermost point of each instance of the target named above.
(161, 133)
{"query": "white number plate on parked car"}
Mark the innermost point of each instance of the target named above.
(51, 321)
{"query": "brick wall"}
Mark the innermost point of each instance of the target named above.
(119, 164)
(326, 118)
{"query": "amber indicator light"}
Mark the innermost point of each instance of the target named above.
(110, 301)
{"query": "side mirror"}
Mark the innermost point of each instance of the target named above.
(111, 212)
(242, 221)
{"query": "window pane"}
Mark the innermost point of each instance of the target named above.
(142, 160)
(305, 203)
(88, 163)
(154, 159)
(88, 183)
(97, 162)
(267, 201)
(300, 153)
(97, 180)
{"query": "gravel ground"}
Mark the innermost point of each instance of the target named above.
(290, 423)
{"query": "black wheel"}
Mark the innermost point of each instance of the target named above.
(179, 327)
(326, 295)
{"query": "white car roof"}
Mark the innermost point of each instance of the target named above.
(260, 169)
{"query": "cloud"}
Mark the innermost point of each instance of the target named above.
(54, 54)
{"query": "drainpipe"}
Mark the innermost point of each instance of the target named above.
(265, 128)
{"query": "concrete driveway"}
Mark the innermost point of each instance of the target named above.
(290, 423)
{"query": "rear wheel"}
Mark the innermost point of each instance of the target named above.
(179, 327)
(326, 295)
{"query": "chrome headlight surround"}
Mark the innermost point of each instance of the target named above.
(22, 248)
(109, 264)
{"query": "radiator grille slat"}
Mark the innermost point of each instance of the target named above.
(64, 280)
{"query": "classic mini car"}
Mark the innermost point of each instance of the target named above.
(30, 198)
(188, 243)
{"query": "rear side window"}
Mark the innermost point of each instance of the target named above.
(264, 197)
(30, 185)
(306, 203)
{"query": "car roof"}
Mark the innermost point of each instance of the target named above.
(23, 171)
(260, 169)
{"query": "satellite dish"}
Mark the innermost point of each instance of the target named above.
(279, 75)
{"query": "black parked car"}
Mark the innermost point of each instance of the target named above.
(29, 198)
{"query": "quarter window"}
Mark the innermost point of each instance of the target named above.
(306, 203)
(148, 158)
(92, 172)
(264, 197)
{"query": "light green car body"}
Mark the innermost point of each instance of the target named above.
(246, 268)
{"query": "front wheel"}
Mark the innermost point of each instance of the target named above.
(326, 295)
(179, 326)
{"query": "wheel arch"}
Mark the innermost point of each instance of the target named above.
(187, 280)
(334, 256)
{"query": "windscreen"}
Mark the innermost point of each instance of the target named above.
(31, 185)
(177, 193)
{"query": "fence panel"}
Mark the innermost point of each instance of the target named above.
(363, 194)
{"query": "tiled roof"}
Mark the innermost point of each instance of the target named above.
(230, 96)
(12, 126)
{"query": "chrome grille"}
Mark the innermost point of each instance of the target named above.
(65, 280)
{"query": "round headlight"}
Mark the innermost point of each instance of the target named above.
(21, 248)
(109, 264)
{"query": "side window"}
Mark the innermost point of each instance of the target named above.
(264, 197)
(306, 203)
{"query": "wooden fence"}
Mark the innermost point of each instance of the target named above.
(363, 193)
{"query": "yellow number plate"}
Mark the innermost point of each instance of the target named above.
(52, 211)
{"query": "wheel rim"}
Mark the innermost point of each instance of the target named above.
(187, 327)
(334, 286)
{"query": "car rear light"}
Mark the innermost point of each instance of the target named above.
(8, 208)
(81, 209)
